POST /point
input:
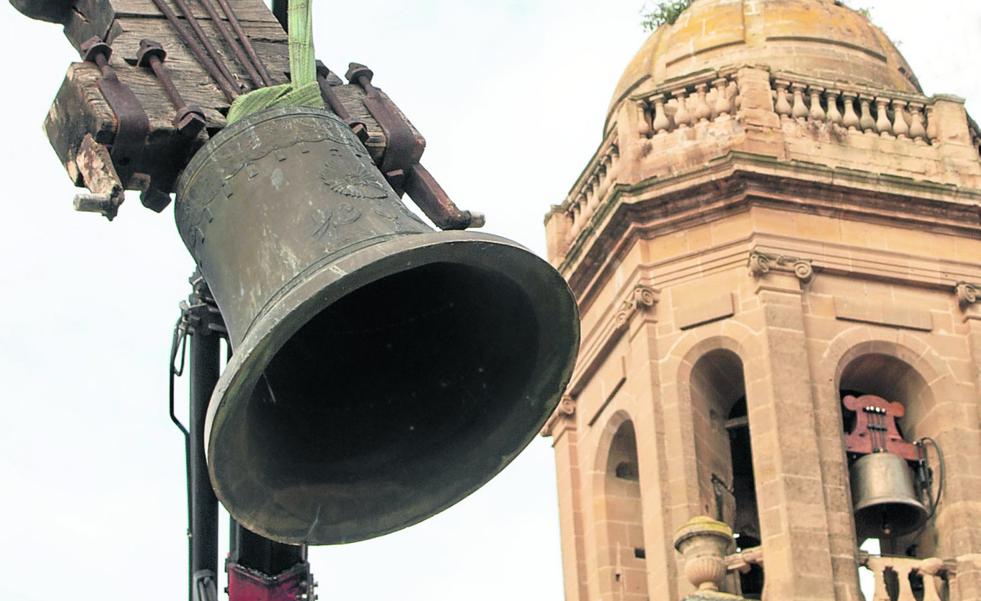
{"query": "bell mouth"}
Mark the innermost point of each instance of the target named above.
(889, 517)
(389, 385)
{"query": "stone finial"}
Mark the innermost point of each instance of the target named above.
(703, 542)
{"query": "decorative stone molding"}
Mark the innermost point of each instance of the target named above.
(967, 294)
(761, 263)
(642, 298)
(564, 414)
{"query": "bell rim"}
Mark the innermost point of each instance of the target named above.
(269, 334)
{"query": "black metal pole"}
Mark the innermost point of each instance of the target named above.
(279, 8)
(204, 365)
(263, 555)
(201, 321)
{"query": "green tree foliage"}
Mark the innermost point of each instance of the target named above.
(668, 11)
(664, 12)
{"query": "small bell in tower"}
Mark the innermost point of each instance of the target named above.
(885, 490)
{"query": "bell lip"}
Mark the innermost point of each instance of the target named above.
(303, 303)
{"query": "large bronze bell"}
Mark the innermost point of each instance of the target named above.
(884, 496)
(381, 371)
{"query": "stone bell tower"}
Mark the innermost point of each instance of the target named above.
(777, 222)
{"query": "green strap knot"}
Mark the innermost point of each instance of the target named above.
(303, 89)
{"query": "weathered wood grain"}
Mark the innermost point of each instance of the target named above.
(78, 109)
(95, 17)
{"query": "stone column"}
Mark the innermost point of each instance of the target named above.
(565, 440)
(786, 453)
(654, 452)
(959, 516)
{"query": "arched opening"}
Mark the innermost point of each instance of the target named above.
(892, 379)
(723, 451)
(624, 517)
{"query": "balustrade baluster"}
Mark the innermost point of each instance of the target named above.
(646, 118)
(682, 117)
(879, 574)
(931, 127)
(929, 570)
(834, 115)
(702, 109)
(588, 204)
(882, 123)
(661, 121)
(900, 127)
(850, 120)
(782, 105)
(917, 130)
(903, 570)
(866, 121)
(800, 107)
(816, 113)
(723, 105)
(576, 213)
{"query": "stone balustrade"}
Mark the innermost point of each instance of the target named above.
(685, 104)
(874, 112)
(907, 578)
(588, 192)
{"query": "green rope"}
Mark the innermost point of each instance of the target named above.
(303, 89)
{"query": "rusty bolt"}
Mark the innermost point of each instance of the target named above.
(190, 120)
(359, 74)
(150, 49)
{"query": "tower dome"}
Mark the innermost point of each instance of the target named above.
(819, 38)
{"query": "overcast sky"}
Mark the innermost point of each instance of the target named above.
(511, 96)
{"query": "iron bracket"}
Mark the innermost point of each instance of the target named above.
(400, 163)
(132, 124)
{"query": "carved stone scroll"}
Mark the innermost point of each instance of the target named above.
(761, 264)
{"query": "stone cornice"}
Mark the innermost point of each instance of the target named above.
(663, 205)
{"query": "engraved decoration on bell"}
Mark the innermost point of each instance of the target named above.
(329, 218)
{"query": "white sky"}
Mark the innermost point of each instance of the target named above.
(511, 95)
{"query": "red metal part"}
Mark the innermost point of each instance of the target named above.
(875, 429)
(249, 585)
